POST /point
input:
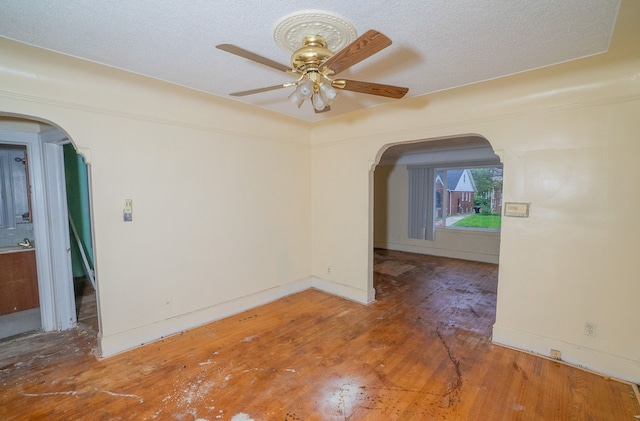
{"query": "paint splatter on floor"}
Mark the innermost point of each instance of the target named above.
(241, 417)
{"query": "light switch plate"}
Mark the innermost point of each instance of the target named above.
(128, 210)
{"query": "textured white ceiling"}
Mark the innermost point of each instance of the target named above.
(437, 44)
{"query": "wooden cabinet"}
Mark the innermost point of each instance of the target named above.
(18, 281)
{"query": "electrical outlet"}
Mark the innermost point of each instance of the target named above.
(555, 354)
(590, 329)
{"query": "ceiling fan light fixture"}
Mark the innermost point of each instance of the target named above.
(321, 94)
(303, 91)
(318, 102)
(328, 93)
(296, 99)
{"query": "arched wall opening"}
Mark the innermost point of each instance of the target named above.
(53, 240)
(405, 205)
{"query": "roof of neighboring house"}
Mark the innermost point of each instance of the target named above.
(453, 178)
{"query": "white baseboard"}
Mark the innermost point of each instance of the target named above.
(599, 362)
(354, 294)
(123, 341)
(434, 251)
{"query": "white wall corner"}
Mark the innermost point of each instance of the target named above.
(345, 291)
(597, 361)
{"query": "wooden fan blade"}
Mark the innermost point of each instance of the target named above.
(229, 48)
(365, 46)
(257, 91)
(388, 91)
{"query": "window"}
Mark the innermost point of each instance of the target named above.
(460, 197)
(14, 197)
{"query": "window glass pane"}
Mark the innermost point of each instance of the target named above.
(471, 197)
(20, 191)
(14, 193)
(468, 198)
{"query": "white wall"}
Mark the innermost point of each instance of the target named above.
(568, 139)
(391, 200)
(221, 208)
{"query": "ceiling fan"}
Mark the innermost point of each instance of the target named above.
(316, 67)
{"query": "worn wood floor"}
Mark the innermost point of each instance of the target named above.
(86, 305)
(422, 351)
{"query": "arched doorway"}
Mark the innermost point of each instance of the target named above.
(43, 143)
(423, 193)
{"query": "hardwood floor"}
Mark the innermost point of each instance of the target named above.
(86, 305)
(422, 351)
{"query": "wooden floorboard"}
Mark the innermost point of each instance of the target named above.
(421, 351)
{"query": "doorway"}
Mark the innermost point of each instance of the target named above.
(407, 214)
(50, 239)
(82, 259)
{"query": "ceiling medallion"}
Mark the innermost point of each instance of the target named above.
(291, 30)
